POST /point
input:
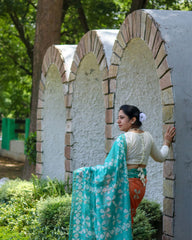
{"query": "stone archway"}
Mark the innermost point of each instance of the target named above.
(139, 66)
(51, 113)
(168, 38)
(89, 68)
(138, 84)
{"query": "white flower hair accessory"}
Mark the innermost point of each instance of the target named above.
(142, 117)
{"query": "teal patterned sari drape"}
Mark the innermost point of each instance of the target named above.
(100, 200)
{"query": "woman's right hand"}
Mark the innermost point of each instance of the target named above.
(169, 135)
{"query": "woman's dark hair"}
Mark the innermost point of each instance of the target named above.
(132, 111)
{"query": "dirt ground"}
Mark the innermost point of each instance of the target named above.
(10, 168)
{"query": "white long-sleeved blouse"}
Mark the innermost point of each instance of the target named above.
(140, 146)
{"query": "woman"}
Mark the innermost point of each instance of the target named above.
(103, 204)
(140, 145)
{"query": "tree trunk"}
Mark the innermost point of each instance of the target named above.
(82, 16)
(138, 4)
(48, 27)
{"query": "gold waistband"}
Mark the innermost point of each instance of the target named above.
(131, 166)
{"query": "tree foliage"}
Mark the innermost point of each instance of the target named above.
(85, 15)
(184, 5)
(17, 20)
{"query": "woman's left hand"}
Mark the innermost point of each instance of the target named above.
(169, 135)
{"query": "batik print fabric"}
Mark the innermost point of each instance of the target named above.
(137, 187)
(100, 199)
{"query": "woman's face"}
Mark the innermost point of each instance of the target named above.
(123, 121)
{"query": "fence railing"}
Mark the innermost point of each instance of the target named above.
(11, 129)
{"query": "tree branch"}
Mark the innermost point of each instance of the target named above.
(82, 16)
(32, 4)
(28, 72)
(24, 39)
(138, 4)
(66, 5)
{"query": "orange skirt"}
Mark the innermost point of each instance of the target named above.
(137, 192)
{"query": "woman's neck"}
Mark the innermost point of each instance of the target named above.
(136, 130)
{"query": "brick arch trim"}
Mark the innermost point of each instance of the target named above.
(140, 24)
(54, 56)
(89, 43)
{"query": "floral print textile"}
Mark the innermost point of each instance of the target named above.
(100, 200)
(137, 192)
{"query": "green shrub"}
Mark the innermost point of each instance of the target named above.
(34, 189)
(17, 209)
(15, 189)
(153, 213)
(50, 188)
(17, 218)
(148, 221)
(18, 204)
(7, 234)
(54, 214)
(30, 147)
(142, 229)
(18, 213)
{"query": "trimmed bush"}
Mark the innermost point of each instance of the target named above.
(154, 215)
(15, 189)
(142, 229)
(18, 213)
(7, 234)
(55, 213)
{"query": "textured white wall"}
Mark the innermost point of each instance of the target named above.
(138, 84)
(53, 126)
(88, 115)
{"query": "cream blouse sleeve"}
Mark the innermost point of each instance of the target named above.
(159, 155)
